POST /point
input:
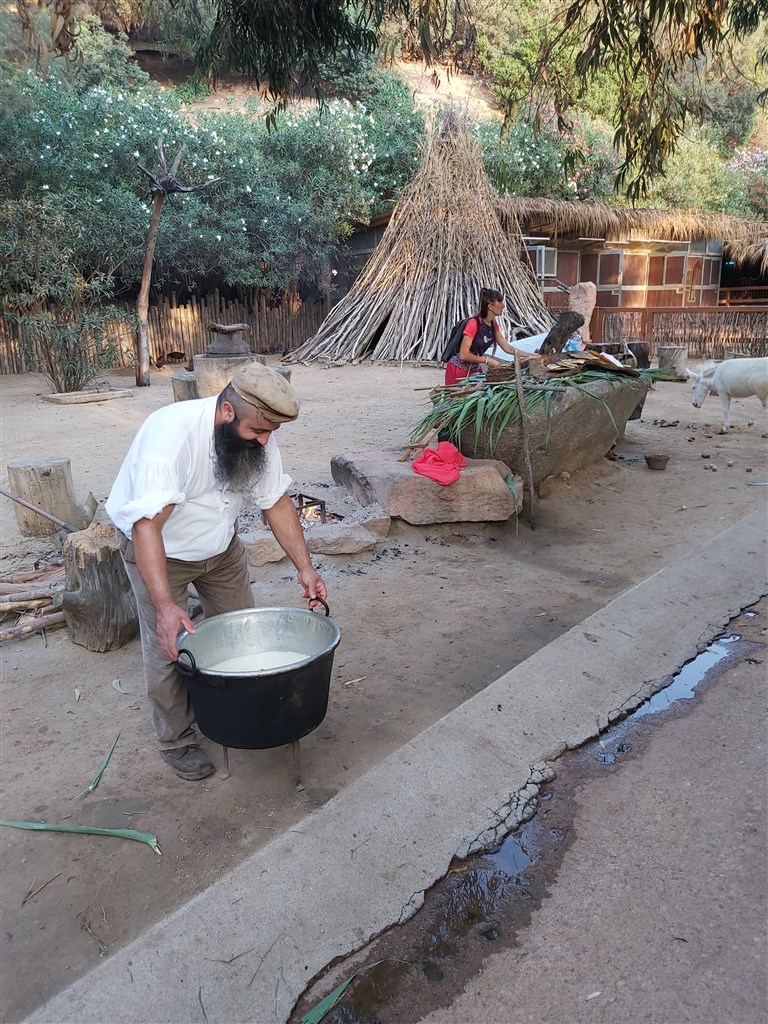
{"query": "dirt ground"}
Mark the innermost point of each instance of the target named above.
(428, 618)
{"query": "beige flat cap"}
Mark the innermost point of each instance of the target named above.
(266, 390)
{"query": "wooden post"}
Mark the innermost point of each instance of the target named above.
(674, 357)
(47, 483)
(526, 441)
(98, 603)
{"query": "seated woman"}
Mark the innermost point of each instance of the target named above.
(481, 332)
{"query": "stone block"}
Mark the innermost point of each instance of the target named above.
(213, 373)
(262, 547)
(479, 495)
(339, 539)
(360, 530)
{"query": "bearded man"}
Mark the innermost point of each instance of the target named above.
(175, 504)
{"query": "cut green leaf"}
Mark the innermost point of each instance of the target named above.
(316, 1014)
(87, 830)
(97, 777)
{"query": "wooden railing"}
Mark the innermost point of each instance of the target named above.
(175, 327)
(757, 295)
(708, 331)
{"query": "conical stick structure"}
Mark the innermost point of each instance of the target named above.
(443, 244)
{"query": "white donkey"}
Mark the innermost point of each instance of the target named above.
(733, 378)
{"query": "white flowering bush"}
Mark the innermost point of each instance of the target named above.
(528, 162)
(277, 203)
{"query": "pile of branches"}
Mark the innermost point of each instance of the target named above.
(493, 406)
(444, 242)
(31, 601)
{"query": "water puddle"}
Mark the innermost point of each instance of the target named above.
(688, 678)
(485, 901)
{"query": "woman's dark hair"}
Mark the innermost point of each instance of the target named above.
(487, 296)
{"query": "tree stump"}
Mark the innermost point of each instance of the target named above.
(567, 323)
(98, 602)
(47, 483)
(184, 386)
(674, 357)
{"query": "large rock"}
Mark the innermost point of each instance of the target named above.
(577, 431)
(360, 530)
(479, 495)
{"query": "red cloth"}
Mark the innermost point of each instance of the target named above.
(454, 373)
(441, 464)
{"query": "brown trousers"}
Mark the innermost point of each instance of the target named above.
(223, 585)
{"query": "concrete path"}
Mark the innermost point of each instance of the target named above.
(363, 860)
(658, 912)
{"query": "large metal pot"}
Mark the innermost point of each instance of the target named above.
(265, 708)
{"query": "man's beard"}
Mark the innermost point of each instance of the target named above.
(238, 462)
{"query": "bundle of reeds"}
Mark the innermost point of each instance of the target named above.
(444, 242)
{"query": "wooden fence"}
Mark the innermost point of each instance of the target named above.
(707, 330)
(175, 327)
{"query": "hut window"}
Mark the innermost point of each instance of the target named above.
(546, 262)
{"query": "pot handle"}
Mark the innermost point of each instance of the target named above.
(322, 602)
(190, 670)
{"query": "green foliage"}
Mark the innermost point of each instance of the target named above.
(525, 161)
(191, 92)
(107, 60)
(751, 166)
(647, 47)
(696, 178)
(70, 165)
(75, 349)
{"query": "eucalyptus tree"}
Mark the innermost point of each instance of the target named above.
(647, 45)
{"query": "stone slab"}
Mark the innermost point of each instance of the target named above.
(83, 397)
(479, 495)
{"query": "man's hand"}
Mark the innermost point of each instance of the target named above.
(171, 620)
(313, 585)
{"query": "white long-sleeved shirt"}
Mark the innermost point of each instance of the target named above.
(171, 462)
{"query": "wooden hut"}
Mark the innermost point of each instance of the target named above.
(637, 258)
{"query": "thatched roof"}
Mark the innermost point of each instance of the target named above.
(444, 242)
(558, 218)
(745, 250)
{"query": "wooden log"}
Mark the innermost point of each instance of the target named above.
(674, 357)
(525, 429)
(567, 323)
(39, 594)
(44, 571)
(98, 602)
(23, 629)
(21, 605)
(47, 483)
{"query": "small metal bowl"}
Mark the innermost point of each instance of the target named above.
(656, 461)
